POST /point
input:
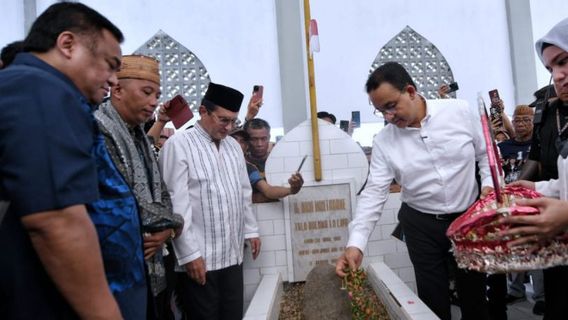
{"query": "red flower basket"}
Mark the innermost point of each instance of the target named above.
(478, 246)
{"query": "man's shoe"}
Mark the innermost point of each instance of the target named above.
(510, 299)
(539, 308)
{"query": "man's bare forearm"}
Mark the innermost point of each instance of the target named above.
(156, 130)
(274, 192)
(67, 245)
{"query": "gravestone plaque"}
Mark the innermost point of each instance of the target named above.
(319, 216)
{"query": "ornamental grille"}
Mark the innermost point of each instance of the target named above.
(425, 63)
(181, 71)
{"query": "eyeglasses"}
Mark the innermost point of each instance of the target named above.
(389, 108)
(223, 120)
(521, 120)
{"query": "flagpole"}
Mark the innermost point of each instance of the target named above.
(312, 90)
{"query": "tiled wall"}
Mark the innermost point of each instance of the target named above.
(341, 158)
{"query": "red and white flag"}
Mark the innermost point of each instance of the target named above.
(314, 37)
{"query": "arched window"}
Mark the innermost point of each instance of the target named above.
(425, 63)
(180, 70)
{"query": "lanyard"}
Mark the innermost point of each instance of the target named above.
(560, 130)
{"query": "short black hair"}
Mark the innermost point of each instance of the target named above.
(324, 114)
(67, 16)
(240, 132)
(10, 51)
(392, 73)
(257, 123)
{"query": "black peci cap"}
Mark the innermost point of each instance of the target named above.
(224, 97)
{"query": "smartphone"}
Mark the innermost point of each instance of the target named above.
(258, 91)
(453, 87)
(179, 111)
(494, 97)
(302, 163)
(356, 119)
(495, 110)
(344, 125)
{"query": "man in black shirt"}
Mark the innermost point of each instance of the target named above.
(514, 151)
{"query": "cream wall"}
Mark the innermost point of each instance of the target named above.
(11, 21)
(472, 36)
(237, 41)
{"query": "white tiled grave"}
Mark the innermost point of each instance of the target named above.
(342, 159)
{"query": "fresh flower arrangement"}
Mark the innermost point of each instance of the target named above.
(365, 304)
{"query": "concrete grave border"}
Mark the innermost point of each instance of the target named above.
(399, 300)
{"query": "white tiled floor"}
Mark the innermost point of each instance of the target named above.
(518, 311)
(522, 311)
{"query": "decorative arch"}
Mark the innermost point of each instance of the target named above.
(425, 63)
(181, 71)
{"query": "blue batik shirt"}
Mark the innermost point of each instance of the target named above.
(116, 218)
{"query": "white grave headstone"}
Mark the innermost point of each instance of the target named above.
(319, 216)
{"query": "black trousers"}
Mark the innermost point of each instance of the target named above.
(162, 309)
(428, 248)
(556, 293)
(220, 298)
(496, 293)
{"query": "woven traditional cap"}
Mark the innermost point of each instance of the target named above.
(140, 67)
(224, 97)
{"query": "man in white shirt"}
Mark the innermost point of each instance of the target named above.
(430, 147)
(206, 175)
